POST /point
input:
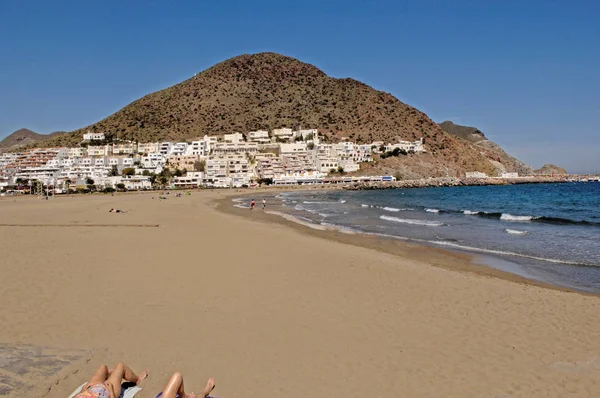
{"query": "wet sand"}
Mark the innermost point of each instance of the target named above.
(270, 309)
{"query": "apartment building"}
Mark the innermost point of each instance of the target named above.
(298, 162)
(164, 148)
(198, 148)
(216, 167)
(309, 135)
(325, 165)
(190, 180)
(259, 136)
(77, 152)
(124, 148)
(182, 162)
(239, 170)
(93, 137)
(283, 134)
(293, 147)
(97, 150)
(268, 165)
(147, 148)
(233, 138)
(240, 148)
(408, 146)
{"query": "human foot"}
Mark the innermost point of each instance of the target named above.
(141, 377)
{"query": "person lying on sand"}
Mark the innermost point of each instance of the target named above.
(106, 383)
(174, 388)
(116, 211)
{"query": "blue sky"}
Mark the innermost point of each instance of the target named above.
(524, 72)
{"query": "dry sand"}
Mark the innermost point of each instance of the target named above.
(269, 310)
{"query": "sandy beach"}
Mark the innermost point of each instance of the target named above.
(270, 309)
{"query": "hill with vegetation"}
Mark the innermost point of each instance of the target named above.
(267, 91)
(23, 137)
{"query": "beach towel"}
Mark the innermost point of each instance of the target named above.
(128, 390)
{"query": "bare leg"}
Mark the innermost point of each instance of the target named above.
(99, 377)
(210, 385)
(174, 387)
(120, 372)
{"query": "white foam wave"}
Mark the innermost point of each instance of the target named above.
(491, 251)
(297, 220)
(470, 213)
(345, 230)
(342, 201)
(391, 209)
(411, 221)
(364, 205)
(432, 210)
(516, 232)
(241, 206)
(311, 202)
(510, 217)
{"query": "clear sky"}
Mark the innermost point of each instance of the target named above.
(525, 72)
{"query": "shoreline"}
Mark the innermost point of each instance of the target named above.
(455, 260)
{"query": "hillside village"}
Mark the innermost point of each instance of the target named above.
(282, 157)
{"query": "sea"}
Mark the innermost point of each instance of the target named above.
(545, 232)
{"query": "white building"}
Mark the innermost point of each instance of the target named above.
(241, 148)
(93, 136)
(124, 148)
(293, 147)
(309, 135)
(164, 148)
(268, 165)
(325, 165)
(198, 148)
(98, 150)
(77, 152)
(475, 174)
(283, 134)
(509, 175)
(216, 167)
(259, 136)
(147, 147)
(233, 138)
(190, 180)
(408, 146)
(178, 149)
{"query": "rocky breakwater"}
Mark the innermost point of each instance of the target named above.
(449, 182)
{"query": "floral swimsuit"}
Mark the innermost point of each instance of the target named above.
(95, 391)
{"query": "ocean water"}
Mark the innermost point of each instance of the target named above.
(547, 232)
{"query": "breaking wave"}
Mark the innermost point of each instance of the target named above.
(510, 217)
(412, 221)
(515, 232)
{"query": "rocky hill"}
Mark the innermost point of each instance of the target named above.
(266, 91)
(23, 137)
(550, 169)
(502, 161)
(470, 134)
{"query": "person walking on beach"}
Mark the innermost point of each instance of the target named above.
(106, 383)
(264, 203)
(252, 204)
